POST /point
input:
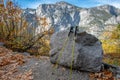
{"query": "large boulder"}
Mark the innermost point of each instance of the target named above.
(83, 52)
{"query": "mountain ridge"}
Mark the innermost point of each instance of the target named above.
(62, 15)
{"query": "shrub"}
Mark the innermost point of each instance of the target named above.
(18, 34)
(112, 43)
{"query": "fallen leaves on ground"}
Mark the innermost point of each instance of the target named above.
(9, 64)
(113, 59)
(103, 75)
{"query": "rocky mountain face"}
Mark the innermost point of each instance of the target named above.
(30, 16)
(62, 15)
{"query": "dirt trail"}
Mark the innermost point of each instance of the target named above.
(17, 66)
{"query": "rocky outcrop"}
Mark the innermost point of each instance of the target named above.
(113, 20)
(82, 53)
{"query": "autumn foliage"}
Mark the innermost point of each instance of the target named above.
(111, 46)
(18, 34)
(112, 43)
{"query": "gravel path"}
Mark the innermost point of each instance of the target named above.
(43, 70)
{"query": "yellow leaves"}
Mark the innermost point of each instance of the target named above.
(44, 50)
(114, 35)
(110, 46)
(111, 42)
(106, 35)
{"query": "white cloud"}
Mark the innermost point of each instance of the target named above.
(115, 3)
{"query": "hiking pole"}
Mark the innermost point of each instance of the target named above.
(73, 50)
(64, 45)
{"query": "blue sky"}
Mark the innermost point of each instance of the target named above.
(80, 3)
